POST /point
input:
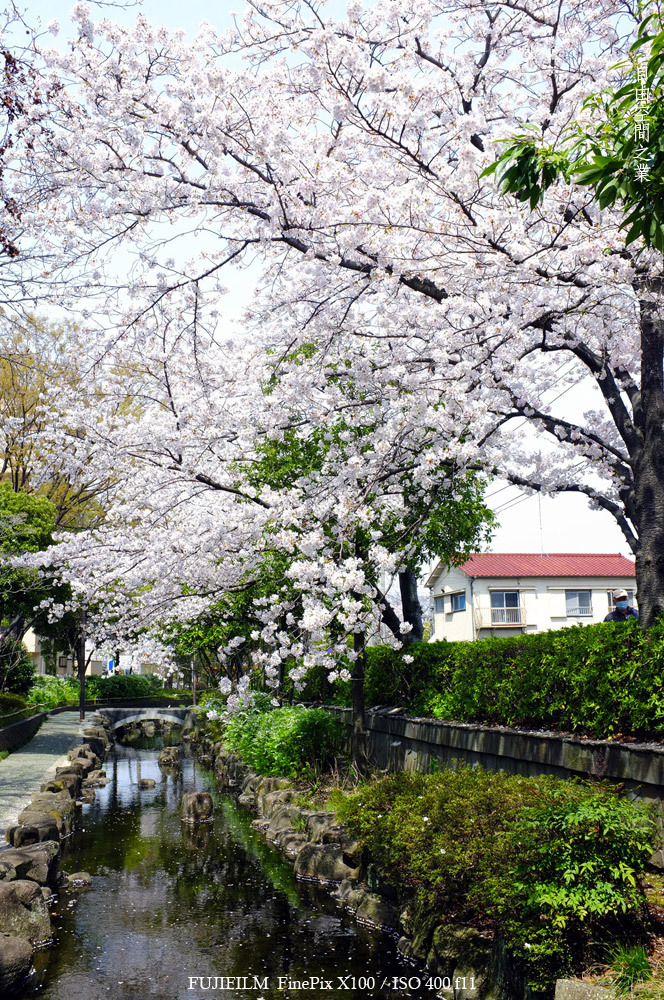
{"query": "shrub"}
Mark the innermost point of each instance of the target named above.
(605, 679)
(285, 741)
(12, 705)
(16, 667)
(215, 702)
(430, 832)
(123, 686)
(544, 860)
(51, 692)
(573, 859)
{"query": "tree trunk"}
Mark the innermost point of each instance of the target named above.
(411, 607)
(80, 662)
(649, 469)
(359, 749)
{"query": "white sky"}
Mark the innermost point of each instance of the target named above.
(527, 524)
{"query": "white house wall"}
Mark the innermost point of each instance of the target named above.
(542, 599)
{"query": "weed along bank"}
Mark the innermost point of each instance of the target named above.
(194, 875)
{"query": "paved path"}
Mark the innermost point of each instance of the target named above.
(26, 769)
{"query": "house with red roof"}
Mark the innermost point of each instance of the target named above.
(509, 593)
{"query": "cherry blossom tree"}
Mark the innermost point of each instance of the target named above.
(219, 488)
(399, 289)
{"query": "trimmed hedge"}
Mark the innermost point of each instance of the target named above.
(605, 680)
(13, 708)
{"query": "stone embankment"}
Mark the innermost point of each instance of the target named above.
(30, 871)
(460, 960)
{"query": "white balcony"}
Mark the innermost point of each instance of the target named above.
(580, 612)
(499, 617)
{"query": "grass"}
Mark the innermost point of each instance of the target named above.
(630, 966)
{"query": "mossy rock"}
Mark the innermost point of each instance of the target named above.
(15, 962)
(23, 911)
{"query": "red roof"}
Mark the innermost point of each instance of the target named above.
(557, 564)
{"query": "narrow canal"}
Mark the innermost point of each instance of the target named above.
(169, 904)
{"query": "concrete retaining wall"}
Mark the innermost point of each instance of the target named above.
(20, 732)
(398, 742)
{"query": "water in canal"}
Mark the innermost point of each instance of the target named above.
(169, 904)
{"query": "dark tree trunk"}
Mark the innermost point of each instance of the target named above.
(81, 665)
(359, 749)
(411, 607)
(648, 466)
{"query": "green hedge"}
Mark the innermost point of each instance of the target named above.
(13, 708)
(123, 686)
(605, 680)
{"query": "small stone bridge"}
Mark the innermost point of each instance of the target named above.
(125, 716)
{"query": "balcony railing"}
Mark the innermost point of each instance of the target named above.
(489, 617)
(584, 611)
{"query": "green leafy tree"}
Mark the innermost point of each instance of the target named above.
(26, 525)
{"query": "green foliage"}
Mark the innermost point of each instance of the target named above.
(123, 686)
(11, 702)
(286, 741)
(16, 667)
(573, 860)
(604, 679)
(214, 702)
(544, 860)
(429, 833)
(26, 524)
(604, 152)
(26, 521)
(630, 966)
(12, 708)
(51, 692)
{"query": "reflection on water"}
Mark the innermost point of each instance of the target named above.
(170, 903)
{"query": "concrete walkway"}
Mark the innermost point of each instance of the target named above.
(26, 769)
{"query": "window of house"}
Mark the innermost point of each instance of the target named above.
(459, 601)
(505, 607)
(439, 605)
(578, 603)
(630, 598)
